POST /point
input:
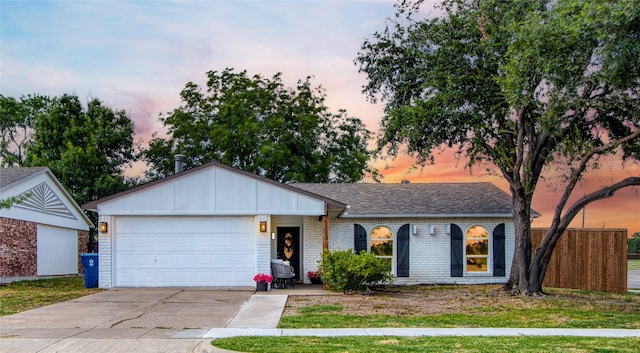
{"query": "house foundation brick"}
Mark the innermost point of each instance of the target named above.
(83, 241)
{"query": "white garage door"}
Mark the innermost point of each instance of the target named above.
(57, 251)
(184, 251)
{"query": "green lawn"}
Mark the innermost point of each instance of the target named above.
(633, 264)
(427, 344)
(530, 318)
(25, 295)
(562, 308)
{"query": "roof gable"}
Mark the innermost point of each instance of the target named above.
(416, 199)
(213, 189)
(46, 201)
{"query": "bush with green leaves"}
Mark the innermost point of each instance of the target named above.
(634, 244)
(346, 271)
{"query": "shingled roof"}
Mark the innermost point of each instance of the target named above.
(11, 175)
(416, 199)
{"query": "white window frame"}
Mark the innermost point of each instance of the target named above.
(489, 256)
(393, 245)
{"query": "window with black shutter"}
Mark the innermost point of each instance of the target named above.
(402, 243)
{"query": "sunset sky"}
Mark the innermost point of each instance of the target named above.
(138, 55)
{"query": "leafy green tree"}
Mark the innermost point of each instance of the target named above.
(16, 126)
(257, 124)
(633, 244)
(86, 149)
(532, 87)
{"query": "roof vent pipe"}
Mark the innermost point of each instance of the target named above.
(179, 163)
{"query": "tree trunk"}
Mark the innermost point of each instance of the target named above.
(542, 257)
(519, 278)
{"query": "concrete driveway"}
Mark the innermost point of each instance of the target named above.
(127, 313)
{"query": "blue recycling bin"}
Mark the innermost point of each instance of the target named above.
(90, 264)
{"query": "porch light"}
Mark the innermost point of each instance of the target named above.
(263, 226)
(103, 227)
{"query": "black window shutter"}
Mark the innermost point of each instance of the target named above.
(456, 251)
(359, 238)
(402, 243)
(498, 251)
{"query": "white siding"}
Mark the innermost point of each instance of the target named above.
(105, 263)
(312, 245)
(213, 191)
(263, 245)
(57, 251)
(429, 255)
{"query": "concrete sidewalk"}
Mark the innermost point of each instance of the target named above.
(106, 345)
(260, 312)
(413, 332)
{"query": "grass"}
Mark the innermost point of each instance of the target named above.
(25, 295)
(562, 309)
(633, 264)
(321, 309)
(525, 318)
(428, 344)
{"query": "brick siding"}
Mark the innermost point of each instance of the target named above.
(83, 240)
(17, 248)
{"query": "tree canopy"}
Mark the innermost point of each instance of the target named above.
(524, 85)
(256, 124)
(87, 149)
(16, 126)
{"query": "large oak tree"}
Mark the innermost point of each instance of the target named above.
(523, 85)
(256, 124)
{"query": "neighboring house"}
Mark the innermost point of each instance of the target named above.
(43, 234)
(214, 225)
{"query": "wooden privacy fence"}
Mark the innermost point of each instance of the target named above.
(592, 259)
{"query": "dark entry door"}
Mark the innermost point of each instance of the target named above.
(289, 247)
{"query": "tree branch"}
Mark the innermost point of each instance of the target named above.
(604, 193)
(517, 168)
(582, 165)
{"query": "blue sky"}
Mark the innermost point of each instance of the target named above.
(138, 55)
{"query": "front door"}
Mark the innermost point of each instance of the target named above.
(289, 247)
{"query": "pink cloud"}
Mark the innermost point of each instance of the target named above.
(620, 211)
